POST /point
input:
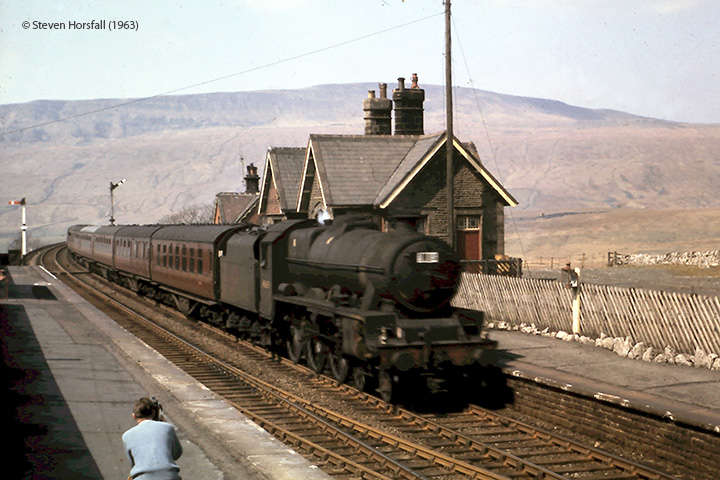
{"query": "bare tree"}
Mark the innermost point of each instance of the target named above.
(193, 214)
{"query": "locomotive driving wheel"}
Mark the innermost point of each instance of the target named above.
(362, 379)
(339, 366)
(295, 345)
(318, 353)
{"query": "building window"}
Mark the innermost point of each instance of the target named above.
(418, 223)
(468, 222)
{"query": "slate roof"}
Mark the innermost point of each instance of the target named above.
(354, 168)
(373, 169)
(247, 213)
(424, 147)
(229, 205)
(286, 165)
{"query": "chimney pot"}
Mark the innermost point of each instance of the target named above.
(414, 81)
(383, 90)
(401, 83)
(371, 93)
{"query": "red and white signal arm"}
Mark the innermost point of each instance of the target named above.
(17, 202)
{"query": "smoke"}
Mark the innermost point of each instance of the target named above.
(323, 216)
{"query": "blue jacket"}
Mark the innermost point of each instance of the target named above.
(152, 448)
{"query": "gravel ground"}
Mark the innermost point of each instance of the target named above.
(680, 280)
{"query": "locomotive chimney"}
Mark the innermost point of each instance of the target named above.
(409, 108)
(378, 112)
(252, 180)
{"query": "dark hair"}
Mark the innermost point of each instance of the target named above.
(147, 408)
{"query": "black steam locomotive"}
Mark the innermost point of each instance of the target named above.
(373, 307)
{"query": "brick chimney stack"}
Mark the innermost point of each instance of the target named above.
(378, 112)
(409, 108)
(252, 180)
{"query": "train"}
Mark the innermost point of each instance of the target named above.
(368, 306)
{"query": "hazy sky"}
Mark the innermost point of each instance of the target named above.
(659, 58)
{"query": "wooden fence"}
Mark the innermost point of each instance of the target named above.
(582, 260)
(659, 319)
(510, 266)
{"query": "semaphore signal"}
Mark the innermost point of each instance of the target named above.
(23, 228)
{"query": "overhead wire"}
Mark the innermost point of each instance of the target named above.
(224, 77)
(488, 138)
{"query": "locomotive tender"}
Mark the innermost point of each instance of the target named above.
(370, 306)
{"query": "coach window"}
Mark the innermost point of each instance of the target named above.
(159, 256)
(177, 257)
(165, 262)
(184, 258)
(200, 261)
(192, 259)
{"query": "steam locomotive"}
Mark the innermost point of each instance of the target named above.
(372, 307)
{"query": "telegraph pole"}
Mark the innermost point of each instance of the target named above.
(449, 148)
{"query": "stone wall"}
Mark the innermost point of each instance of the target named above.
(696, 259)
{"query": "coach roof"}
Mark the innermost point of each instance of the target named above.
(195, 233)
(138, 231)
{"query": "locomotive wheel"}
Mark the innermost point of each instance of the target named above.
(317, 355)
(339, 366)
(294, 345)
(385, 386)
(361, 378)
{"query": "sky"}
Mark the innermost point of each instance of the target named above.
(655, 58)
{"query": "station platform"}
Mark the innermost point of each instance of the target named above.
(79, 375)
(684, 394)
(75, 376)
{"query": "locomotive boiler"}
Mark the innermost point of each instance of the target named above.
(416, 273)
(369, 306)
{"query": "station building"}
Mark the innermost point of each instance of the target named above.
(395, 177)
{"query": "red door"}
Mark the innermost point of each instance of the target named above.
(469, 245)
(469, 239)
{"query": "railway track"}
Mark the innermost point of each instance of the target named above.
(389, 442)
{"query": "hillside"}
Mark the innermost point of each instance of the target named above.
(573, 236)
(176, 151)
